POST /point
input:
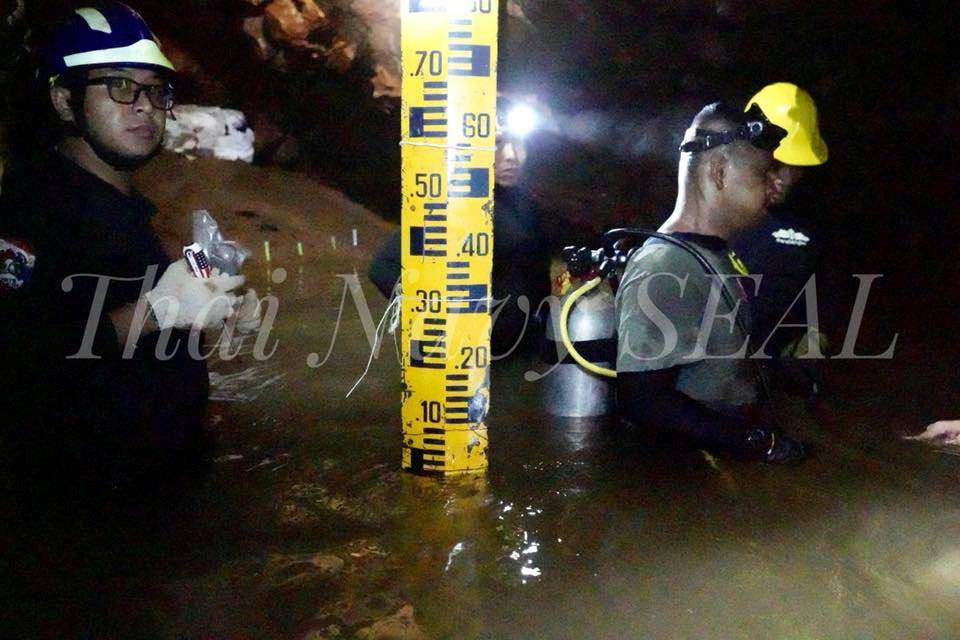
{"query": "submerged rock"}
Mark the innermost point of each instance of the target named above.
(295, 571)
(399, 626)
(374, 504)
(328, 633)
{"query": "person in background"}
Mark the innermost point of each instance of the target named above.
(785, 248)
(521, 252)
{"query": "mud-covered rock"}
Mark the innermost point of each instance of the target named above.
(299, 570)
(253, 27)
(372, 503)
(399, 626)
(385, 82)
(293, 22)
(341, 53)
(382, 21)
(297, 36)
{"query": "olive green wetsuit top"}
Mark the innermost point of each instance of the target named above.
(664, 320)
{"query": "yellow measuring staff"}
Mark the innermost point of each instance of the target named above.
(449, 55)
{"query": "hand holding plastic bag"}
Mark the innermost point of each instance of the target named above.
(249, 313)
(224, 254)
(182, 300)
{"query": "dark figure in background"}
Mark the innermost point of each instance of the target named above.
(785, 249)
(683, 368)
(521, 252)
(76, 409)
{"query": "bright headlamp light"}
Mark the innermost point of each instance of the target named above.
(521, 121)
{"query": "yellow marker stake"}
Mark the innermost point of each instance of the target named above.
(266, 250)
(448, 137)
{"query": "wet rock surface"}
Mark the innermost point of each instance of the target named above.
(400, 626)
(373, 502)
(293, 22)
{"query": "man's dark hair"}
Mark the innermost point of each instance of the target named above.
(76, 81)
(718, 116)
(40, 123)
(715, 117)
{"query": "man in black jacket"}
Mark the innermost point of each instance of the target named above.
(105, 384)
(785, 248)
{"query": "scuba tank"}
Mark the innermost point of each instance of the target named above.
(572, 390)
(582, 384)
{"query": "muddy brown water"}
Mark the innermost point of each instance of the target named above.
(575, 532)
(307, 528)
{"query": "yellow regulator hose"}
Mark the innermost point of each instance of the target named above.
(565, 335)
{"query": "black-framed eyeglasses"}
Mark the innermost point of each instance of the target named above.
(756, 130)
(127, 91)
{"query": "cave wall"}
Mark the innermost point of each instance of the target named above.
(319, 81)
(12, 52)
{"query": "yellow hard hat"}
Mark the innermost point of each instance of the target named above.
(790, 107)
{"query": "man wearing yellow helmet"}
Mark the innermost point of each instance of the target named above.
(784, 249)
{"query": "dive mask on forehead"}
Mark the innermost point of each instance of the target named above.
(756, 130)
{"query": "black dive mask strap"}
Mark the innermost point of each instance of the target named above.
(756, 129)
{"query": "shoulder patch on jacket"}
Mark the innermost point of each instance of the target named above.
(16, 263)
(791, 237)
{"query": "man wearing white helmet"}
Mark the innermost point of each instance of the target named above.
(81, 262)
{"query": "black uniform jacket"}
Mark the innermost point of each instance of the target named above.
(62, 230)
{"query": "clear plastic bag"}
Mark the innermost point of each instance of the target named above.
(226, 255)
